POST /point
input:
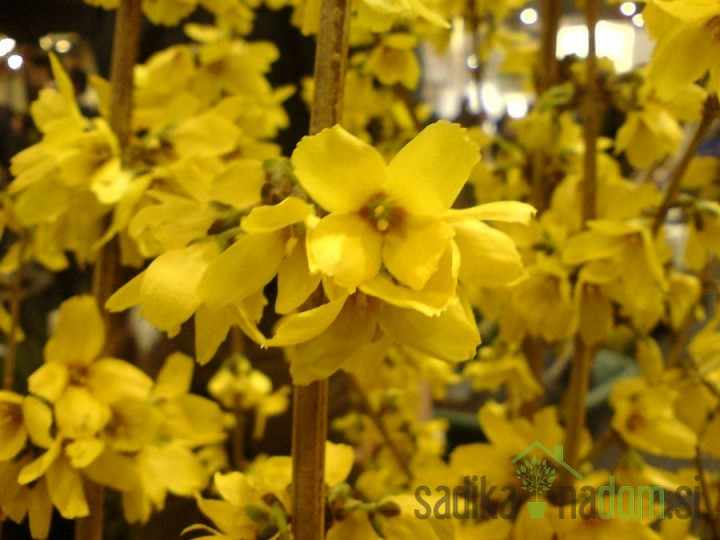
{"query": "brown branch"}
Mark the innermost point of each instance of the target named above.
(673, 190)
(106, 274)
(310, 403)
(15, 302)
(591, 115)
(550, 12)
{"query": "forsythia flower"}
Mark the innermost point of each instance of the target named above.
(395, 216)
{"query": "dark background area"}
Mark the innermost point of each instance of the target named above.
(27, 20)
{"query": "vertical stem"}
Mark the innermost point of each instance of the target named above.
(590, 112)
(106, 276)
(580, 371)
(533, 350)
(310, 403)
(673, 190)
(550, 12)
(15, 301)
(577, 399)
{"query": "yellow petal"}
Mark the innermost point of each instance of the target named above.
(110, 181)
(338, 170)
(412, 251)
(113, 380)
(426, 176)
(339, 459)
(49, 381)
(168, 288)
(40, 511)
(510, 211)
(38, 420)
(300, 327)
(43, 201)
(211, 328)
(272, 218)
(488, 257)
(239, 185)
(205, 135)
(668, 73)
(79, 334)
(38, 467)
(82, 452)
(295, 282)
(65, 487)
(115, 470)
(452, 335)
(346, 248)
(175, 376)
(80, 414)
(321, 357)
(242, 269)
(434, 296)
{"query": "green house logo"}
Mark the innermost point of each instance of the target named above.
(537, 475)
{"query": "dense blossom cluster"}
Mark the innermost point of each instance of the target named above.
(383, 268)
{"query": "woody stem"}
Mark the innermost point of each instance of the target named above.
(106, 273)
(310, 402)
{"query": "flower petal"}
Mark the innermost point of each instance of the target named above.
(301, 327)
(426, 176)
(434, 296)
(169, 285)
(338, 170)
(511, 211)
(79, 334)
(488, 257)
(49, 381)
(65, 487)
(412, 251)
(242, 269)
(113, 380)
(453, 335)
(346, 248)
(272, 218)
(295, 282)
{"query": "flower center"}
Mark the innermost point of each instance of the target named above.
(381, 213)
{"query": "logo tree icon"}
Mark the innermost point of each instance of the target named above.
(536, 476)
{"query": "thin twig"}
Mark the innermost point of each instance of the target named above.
(709, 113)
(16, 294)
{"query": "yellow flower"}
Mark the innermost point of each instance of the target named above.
(258, 500)
(350, 331)
(645, 417)
(507, 438)
(72, 365)
(683, 30)
(394, 61)
(395, 216)
(13, 433)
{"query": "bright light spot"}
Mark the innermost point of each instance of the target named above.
(46, 43)
(613, 40)
(15, 62)
(628, 8)
(472, 61)
(6, 45)
(63, 45)
(638, 20)
(517, 105)
(492, 101)
(489, 127)
(528, 16)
